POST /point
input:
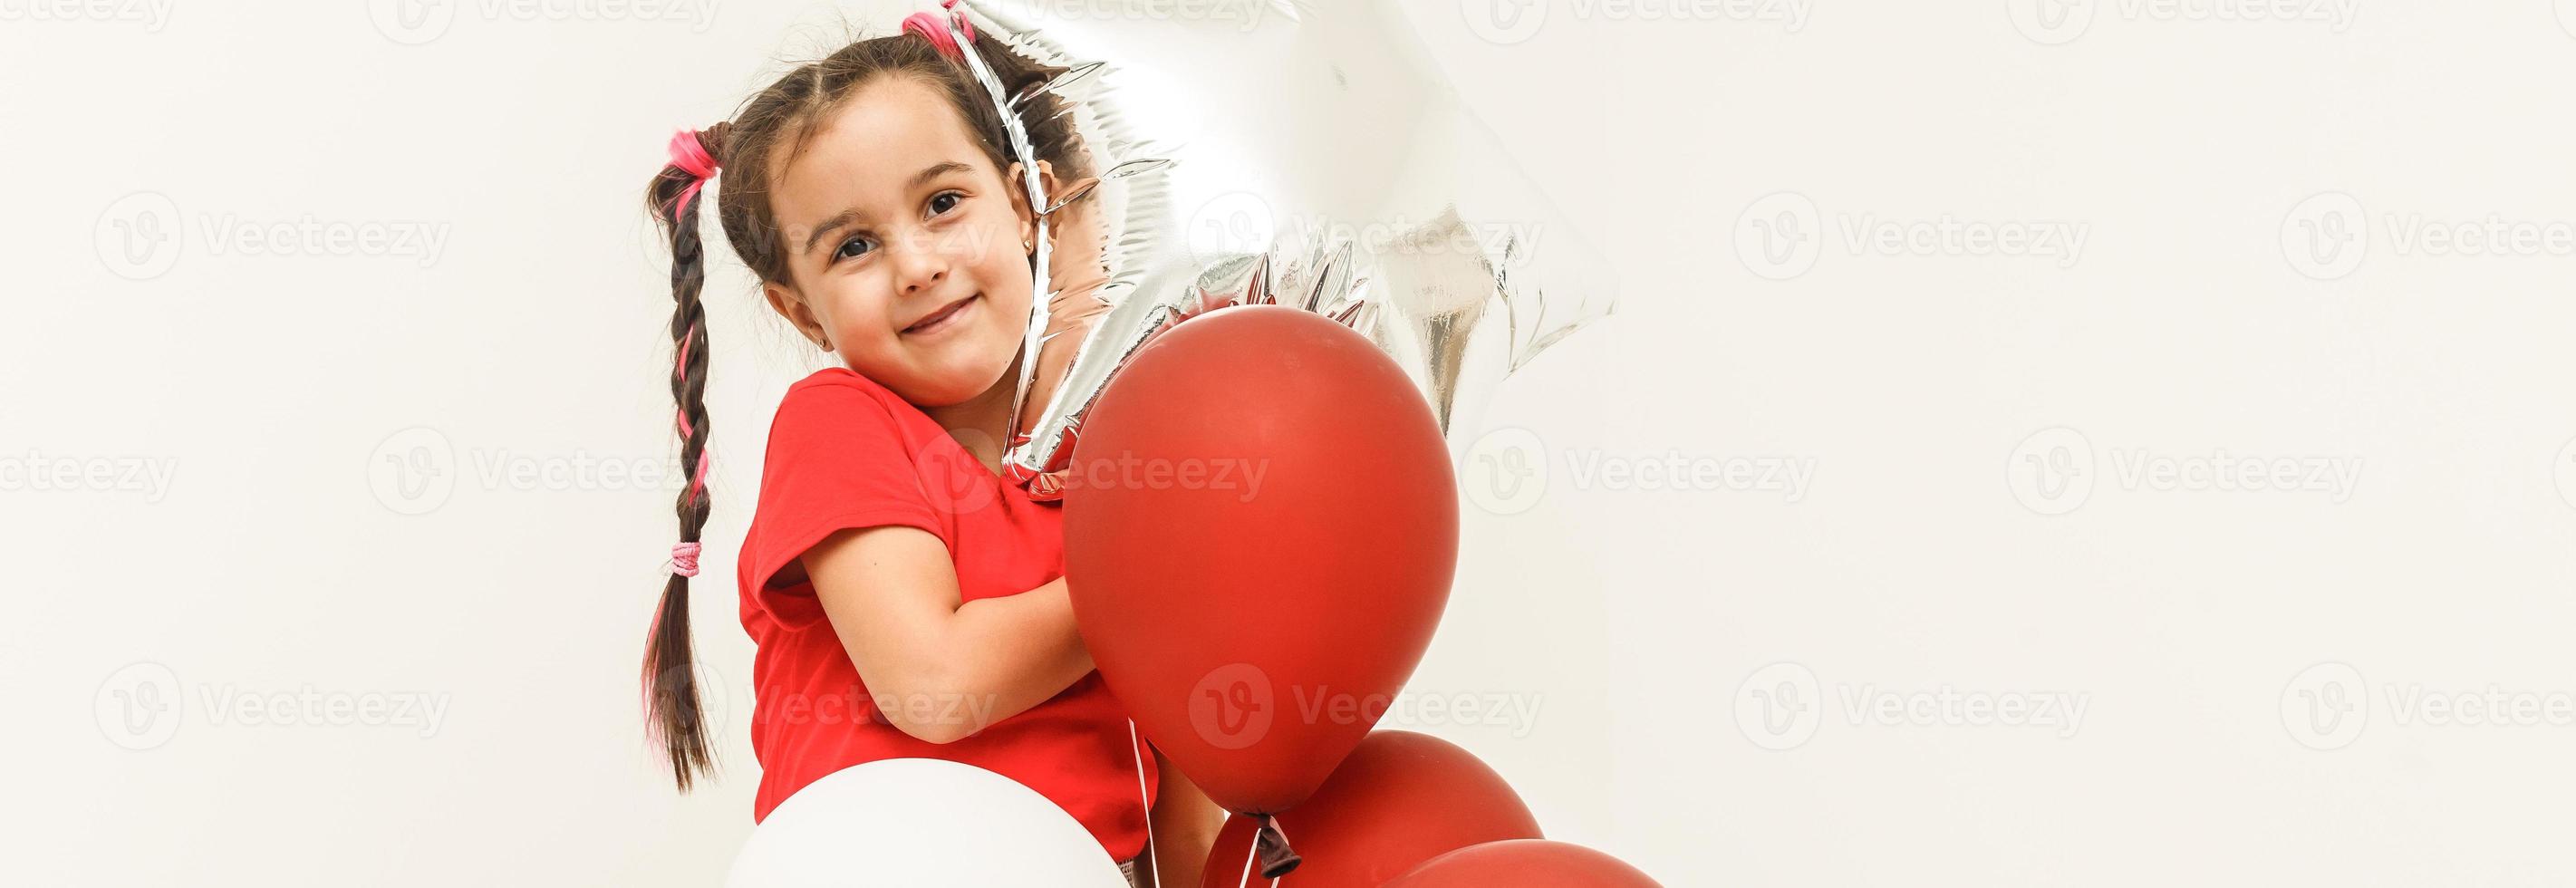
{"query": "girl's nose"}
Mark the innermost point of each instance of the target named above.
(920, 265)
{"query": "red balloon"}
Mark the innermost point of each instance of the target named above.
(1524, 863)
(1260, 530)
(1400, 799)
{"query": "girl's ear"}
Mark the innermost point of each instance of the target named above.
(1020, 196)
(1056, 190)
(785, 302)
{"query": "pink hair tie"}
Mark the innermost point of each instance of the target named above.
(691, 156)
(684, 559)
(935, 26)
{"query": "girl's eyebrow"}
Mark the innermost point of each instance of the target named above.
(844, 218)
(934, 171)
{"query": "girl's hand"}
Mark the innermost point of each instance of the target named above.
(941, 670)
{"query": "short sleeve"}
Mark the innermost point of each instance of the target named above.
(837, 459)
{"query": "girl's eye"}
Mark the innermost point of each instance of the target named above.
(940, 205)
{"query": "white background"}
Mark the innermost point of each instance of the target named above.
(2253, 663)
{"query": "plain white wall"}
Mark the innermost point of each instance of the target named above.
(2355, 682)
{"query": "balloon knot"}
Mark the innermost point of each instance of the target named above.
(1277, 859)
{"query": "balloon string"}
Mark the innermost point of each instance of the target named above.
(1144, 796)
(1251, 854)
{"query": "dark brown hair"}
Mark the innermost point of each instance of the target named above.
(746, 148)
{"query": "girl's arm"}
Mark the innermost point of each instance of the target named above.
(940, 670)
(1185, 826)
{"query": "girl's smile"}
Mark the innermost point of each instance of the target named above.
(949, 317)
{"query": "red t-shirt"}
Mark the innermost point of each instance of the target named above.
(845, 452)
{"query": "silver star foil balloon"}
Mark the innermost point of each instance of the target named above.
(1292, 152)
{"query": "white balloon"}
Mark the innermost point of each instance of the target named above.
(911, 822)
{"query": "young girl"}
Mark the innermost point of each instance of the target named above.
(906, 601)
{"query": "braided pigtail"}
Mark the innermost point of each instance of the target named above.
(674, 714)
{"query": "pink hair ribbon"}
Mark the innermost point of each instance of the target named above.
(935, 26)
(692, 158)
(680, 367)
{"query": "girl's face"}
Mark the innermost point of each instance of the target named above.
(906, 250)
